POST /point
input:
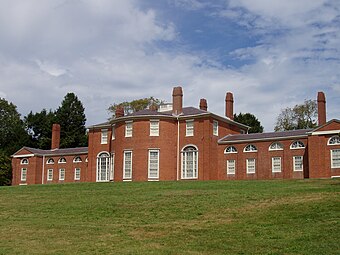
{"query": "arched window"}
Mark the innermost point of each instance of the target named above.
(24, 161)
(334, 140)
(276, 146)
(103, 167)
(189, 162)
(87, 159)
(297, 145)
(50, 161)
(230, 149)
(250, 148)
(77, 159)
(62, 160)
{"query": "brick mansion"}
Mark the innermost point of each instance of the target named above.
(184, 143)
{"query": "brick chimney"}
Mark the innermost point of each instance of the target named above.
(55, 137)
(321, 108)
(119, 112)
(229, 105)
(203, 104)
(177, 101)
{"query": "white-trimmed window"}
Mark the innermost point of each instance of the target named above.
(189, 128)
(23, 177)
(62, 160)
(61, 174)
(215, 127)
(231, 166)
(250, 148)
(297, 145)
(335, 158)
(128, 128)
(153, 165)
(77, 174)
(230, 149)
(276, 164)
(154, 127)
(103, 167)
(334, 140)
(77, 159)
(24, 161)
(49, 174)
(298, 163)
(103, 137)
(276, 146)
(189, 162)
(113, 135)
(251, 166)
(127, 168)
(50, 161)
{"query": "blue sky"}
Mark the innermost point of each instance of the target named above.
(271, 54)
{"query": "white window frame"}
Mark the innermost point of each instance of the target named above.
(104, 136)
(62, 160)
(23, 176)
(113, 135)
(24, 161)
(336, 140)
(276, 146)
(215, 128)
(333, 159)
(50, 174)
(153, 167)
(185, 164)
(297, 145)
(77, 172)
(231, 166)
(230, 149)
(154, 127)
(189, 128)
(125, 166)
(250, 148)
(295, 161)
(77, 159)
(251, 167)
(62, 174)
(128, 128)
(276, 164)
(50, 161)
(103, 167)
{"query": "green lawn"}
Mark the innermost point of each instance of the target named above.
(213, 217)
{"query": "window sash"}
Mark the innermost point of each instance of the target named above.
(231, 166)
(189, 130)
(61, 174)
(104, 135)
(113, 135)
(23, 176)
(154, 128)
(335, 158)
(103, 168)
(49, 174)
(153, 164)
(128, 129)
(77, 174)
(251, 167)
(276, 164)
(215, 128)
(189, 164)
(298, 163)
(127, 168)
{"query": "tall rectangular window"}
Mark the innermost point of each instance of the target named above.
(104, 136)
(61, 174)
(113, 136)
(77, 174)
(128, 129)
(231, 166)
(250, 165)
(153, 166)
(23, 174)
(276, 164)
(215, 127)
(189, 131)
(298, 163)
(335, 158)
(154, 127)
(49, 174)
(127, 168)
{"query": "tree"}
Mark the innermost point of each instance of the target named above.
(135, 105)
(39, 128)
(301, 116)
(249, 120)
(71, 117)
(5, 169)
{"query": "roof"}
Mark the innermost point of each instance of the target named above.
(264, 136)
(56, 152)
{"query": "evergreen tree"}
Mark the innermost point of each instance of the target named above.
(249, 120)
(5, 169)
(71, 117)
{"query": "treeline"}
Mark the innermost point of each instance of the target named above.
(35, 130)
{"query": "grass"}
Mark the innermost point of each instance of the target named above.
(213, 217)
